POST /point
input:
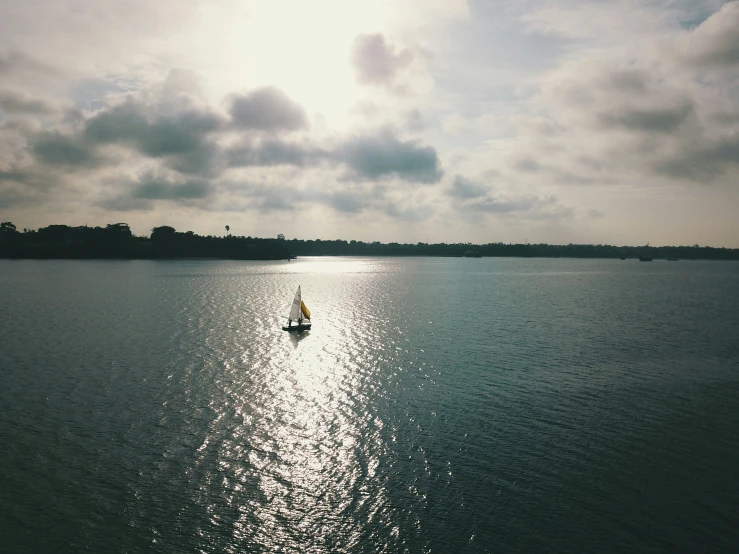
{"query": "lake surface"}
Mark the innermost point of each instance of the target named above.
(437, 405)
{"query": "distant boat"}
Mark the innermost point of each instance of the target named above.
(472, 254)
(672, 260)
(623, 257)
(645, 258)
(299, 313)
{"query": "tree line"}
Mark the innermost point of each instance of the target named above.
(116, 241)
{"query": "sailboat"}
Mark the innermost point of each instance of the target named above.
(299, 314)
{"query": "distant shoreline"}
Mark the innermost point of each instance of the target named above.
(214, 259)
(116, 242)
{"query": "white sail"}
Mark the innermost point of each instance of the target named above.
(295, 308)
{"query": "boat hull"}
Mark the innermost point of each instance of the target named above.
(296, 327)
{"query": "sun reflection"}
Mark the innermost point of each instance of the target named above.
(297, 435)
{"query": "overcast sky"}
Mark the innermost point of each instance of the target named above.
(415, 120)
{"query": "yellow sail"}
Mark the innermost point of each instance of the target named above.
(306, 311)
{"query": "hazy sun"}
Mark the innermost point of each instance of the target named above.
(305, 47)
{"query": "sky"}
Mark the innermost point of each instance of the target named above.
(559, 121)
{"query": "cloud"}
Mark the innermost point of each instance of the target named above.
(54, 148)
(273, 152)
(14, 61)
(192, 139)
(525, 207)
(376, 61)
(465, 188)
(472, 197)
(351, 198)
(715, 42)
(346, 202)
(494, 205)
(183, 139)
(158, 189)
(126, 203)
(178, 134)
(382, 155)
(665, 119)
(153, 186)
(12, 196)
(607, 94)
(267, 109)
(414, 121)
(408, 211)
(626, 120)
(701, 162)
(527, 164)
(15, 103)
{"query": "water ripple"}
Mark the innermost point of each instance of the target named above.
(436, 406)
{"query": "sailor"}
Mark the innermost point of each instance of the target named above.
(289, 322)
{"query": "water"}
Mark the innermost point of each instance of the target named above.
(438, 405)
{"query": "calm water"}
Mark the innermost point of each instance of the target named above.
(438, 405)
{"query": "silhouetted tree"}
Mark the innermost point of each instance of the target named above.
(7, 227)
(227, 229)
(163, 233)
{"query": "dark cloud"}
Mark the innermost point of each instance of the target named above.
(13, 175)
(702, 160)
(376, 60)
(54, 148)
(370, 156)
(14, 103)
(187, 142)
(178, 134)
(346, 202)
(194, 141)
(267, 109)
(465, 188)
(123, 123)
(382, 155)
(273, 152)
(659, 119)
(182, 138)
